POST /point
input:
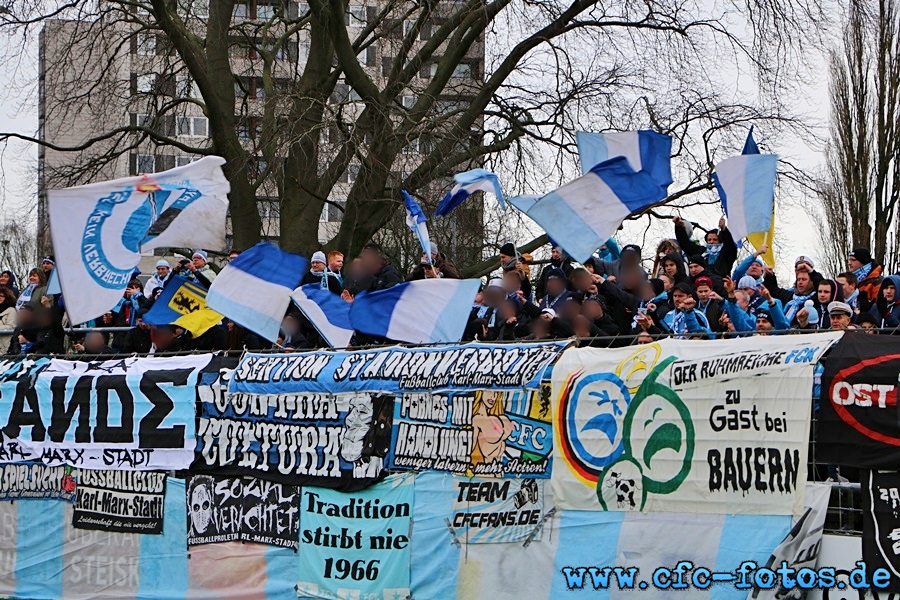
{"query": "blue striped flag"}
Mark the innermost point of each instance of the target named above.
(328, 312)
(419, 312)
(468, 183)
(415, 220)
(645, 150)
(746, 185)
(254, 290)
(585, 212)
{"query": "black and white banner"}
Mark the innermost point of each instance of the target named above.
(242, 509)
(881, 524)
(120, 501)
(34, 480)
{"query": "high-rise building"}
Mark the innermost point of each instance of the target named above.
(100, 75)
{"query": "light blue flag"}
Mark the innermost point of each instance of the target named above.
(415, 220)
(420, 312)
(746, 185)
(750, 146)
(53, 286)
(645, 150)
(468, 183)
(254, 290)
(585, 212)
(328, 312)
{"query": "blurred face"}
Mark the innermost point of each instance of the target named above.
(556, 286)
(371, 260)
(161, 272)
(694, 269)
(569, 311)
(804, 283)
(630, 278)
(581, 281)
(511, 282)
(507, 310)
(840, 321)
(317, 267)
(162, 337)
(755, 270)
(631, 259)
(582, 327)
(889, 292)
(670, 268)
(198, 262)
(289, 326)
(336, 263)
(703, 292)
(854, 264)
(592, 309)
(493, 296)
(847, 287)
(824, 293)
(555, 255)
(94, 343)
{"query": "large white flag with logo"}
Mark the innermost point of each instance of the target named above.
(99, 230)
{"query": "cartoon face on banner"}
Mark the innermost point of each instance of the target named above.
(200, 504)
(625, 432)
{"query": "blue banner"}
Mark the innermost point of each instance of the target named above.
(397, 369)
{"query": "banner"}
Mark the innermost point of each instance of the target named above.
(327, 440)
(579, 550)
(485, 432)
(490, 512)
(125, 414)
(685, 426)
(356, 545)
(34, 480)
(800, 548)
(881, 525)
(858, 423)
(100, 230)
(127, 502)
(395, 369)
(242, 509)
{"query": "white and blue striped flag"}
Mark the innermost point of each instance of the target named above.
(584, 213)
(419, 312)
(415, 220)
(254, 290)
(746, 185)
(468, 183)
(328, 312)
(645, 150)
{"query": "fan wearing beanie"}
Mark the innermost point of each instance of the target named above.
(868, 273)
(319, 274)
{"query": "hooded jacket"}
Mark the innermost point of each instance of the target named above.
(719, 262)
(887, 315)
(12, 281)
(681, 273)
(837, 295)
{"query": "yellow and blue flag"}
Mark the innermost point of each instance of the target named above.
(183, 304)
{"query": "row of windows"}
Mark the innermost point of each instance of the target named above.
(155, 163)
(184, 126)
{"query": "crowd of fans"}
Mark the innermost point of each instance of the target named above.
(692, 290)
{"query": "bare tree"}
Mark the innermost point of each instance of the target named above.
(859, 197)
(339, 104)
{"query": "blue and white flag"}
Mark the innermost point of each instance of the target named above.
(746, 185)
(419, 312)
(585, 212)
(415, 220)
(100, 230)
(254, 290)
(328, 312)
(645, 150)
(468, 183)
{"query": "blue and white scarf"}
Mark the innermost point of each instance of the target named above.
(863, 272)
(324, 275)
(794, 305)
(712, 253)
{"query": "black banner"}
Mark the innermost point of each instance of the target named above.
(242, 509)
(881, 526)
(859, 423)
(121, 501)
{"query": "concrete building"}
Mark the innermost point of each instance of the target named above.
(96, 77)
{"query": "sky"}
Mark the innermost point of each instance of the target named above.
(796, 231)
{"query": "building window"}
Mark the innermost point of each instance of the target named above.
(185, 87)
(183, 161)
(241, 11)
(408, 102)
(146, 44)
(146, 163)
(146, 83)
(407, 27)
(264, 12)
(356, 15)
(463, 70)
(192, 126)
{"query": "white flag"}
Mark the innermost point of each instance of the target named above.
(99, 230)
